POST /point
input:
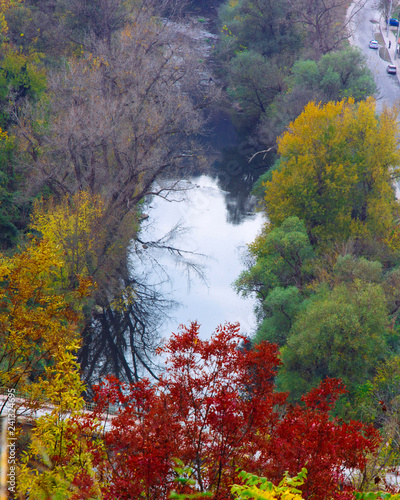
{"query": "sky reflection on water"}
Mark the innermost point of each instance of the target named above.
(203, 211)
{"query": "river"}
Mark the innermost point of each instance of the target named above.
(217, 219)
(217, 240)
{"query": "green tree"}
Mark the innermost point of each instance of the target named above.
(282, 254)
(280, 269)
(8, 209)
(280, 309)
(348, 269)
(22, 78)
(254, 81)
(335, 76)
(339, 333)
(259, 25)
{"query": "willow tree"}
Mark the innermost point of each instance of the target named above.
(342, 333)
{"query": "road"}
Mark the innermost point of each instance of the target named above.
(368, 25)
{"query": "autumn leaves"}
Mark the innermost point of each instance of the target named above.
(337, 169)
(216, 410)
(326, 263)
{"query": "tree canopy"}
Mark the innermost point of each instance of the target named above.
(216, 410)
(325, 266)
(38, 322)
(341, 333)
(336, 172)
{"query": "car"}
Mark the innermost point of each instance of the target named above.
(393, 22)
(391, 69)
(373, 44)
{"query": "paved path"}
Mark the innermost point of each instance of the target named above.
(25, 415)
(367, 25)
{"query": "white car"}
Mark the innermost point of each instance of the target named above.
(373, 44)
(391, 69)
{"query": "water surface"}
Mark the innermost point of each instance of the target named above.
(208, 298)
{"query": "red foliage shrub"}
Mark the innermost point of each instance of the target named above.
(216, 410)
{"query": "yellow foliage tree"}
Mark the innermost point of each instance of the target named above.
(337, 168)
(58, 462)
(76, 226)
(259, 488)
(39, 338)
(94, 245)
(38, 325)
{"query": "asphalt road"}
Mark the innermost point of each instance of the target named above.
(368, 25)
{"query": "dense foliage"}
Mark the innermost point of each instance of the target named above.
(38, 322)
(277, 56)
(98, 99)
(325, 265)
(215, 410)
(338, 163)
(101, 107)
